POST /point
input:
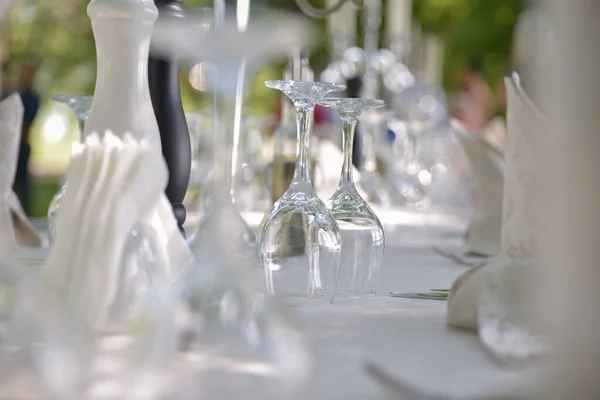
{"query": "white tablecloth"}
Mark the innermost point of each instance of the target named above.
(406, 337)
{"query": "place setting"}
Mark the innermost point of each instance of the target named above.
(243, 199)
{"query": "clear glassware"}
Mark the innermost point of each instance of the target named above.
(362, 235)
(418, 109)
(285, 141)
(252, 193)
(220, 200)
(298, 242)
(235, 342)
(200, 128)
(372, 179)
(81, 107)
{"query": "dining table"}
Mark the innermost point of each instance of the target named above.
(385, 347)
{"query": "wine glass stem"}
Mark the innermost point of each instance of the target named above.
(222, 163)
(410, 152)
(348, 126)
(303, 116)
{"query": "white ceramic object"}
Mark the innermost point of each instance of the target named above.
(122, 103)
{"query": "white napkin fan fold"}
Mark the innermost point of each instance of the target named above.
(114, 184)
(15, 227)
(487, 184)
(493, 298)
(526, 127)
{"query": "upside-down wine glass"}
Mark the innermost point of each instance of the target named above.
(238, 343)
(298, 242)
(81, 106)
(362, 234)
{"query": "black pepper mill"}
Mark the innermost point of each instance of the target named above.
(163, 76)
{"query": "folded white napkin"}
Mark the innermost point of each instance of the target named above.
(15, 227)
(170, 249)
(487, 183)
(493, 298)
(526, 127)
(113, 184)
(494, 133)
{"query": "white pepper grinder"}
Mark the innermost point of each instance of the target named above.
(122, 31)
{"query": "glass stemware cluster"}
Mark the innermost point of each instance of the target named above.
(307, 248)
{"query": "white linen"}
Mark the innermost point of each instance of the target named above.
(526, 126)
(487, 184)
(492, 299)
(408, 338)
(494, 133)
(112, 185)
(15, 228)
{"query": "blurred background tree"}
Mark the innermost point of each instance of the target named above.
(57, 36)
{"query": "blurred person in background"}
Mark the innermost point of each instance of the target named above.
(476, 103)
(31, 104)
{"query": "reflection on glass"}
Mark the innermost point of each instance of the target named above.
(235, 339)
(362, 233)
(298, 243)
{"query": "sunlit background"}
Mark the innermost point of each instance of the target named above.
(57, 36)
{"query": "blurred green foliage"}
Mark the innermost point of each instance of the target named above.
(479, 31)
(57, 35)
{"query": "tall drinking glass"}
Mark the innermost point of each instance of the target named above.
(362, 234)
(233, 327)
(298, 242)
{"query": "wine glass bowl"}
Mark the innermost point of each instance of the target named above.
(298, 243)
(363, 239)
